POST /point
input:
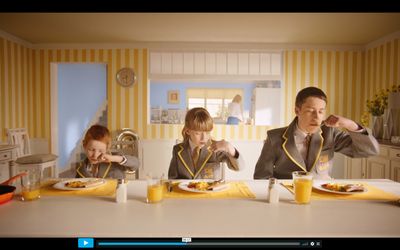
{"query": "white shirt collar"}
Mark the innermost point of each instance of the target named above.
(192, 145)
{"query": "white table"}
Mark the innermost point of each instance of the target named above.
(66, 216)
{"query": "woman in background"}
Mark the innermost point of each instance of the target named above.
(235, 112)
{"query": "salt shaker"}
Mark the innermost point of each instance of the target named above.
(121, 194)
(273, 192)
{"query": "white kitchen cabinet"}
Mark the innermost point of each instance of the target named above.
(394, 154)
(395, 170)
(386, 165)
(188, 64)
(355, 168)
(7, 156)
(378, 168)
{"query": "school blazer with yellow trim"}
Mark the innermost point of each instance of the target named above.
(280, 157)
(112, 170)
(181, 165)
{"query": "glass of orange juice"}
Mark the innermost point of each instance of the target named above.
(30, 185)
(302, 183)
(155, 190)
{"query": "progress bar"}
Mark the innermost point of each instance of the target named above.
(233, 243)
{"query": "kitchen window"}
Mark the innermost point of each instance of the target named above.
(214, 100)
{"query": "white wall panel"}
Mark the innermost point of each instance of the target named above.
(177, 63)
(275, 64)
(254, 63)
(265, 64)
(221, 63)
(232, 63)
(166, 63)
(211, 63)
(155, 63)
(199, 63)
(243, 63)
(188, 63)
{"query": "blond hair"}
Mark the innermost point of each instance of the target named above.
(197, 119)
(237, 98)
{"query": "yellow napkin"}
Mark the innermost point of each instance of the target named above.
(373, 193)
(235, 190)
(107, 189)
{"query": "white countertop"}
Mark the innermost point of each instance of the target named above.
(79, 216)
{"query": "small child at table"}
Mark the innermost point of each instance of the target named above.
(99, 162)
(190, 158)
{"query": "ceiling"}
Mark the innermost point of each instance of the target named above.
(288, 28)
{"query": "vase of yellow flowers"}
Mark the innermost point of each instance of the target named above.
(376, 107)
(381, 117)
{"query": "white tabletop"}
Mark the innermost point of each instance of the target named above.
(79, 216)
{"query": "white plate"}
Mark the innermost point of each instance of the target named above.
(61, 185)
(318, 185)
(184, 186)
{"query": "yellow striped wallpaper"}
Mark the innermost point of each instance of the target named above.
(340, 74)
(382, 67)
(348, 78)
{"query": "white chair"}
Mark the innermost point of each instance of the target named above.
(26, 160)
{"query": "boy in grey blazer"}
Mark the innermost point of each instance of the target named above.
(287, 149)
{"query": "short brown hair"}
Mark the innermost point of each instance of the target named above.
(307, 92)
(98, 133)
(197, 119)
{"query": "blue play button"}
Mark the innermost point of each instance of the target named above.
(85, 243)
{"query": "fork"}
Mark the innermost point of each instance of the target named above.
(216, 183)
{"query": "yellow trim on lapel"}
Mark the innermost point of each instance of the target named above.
(204, 162)
(183, 161)
(287, 153)
(77, 170)
(320, 149)
(107, 170)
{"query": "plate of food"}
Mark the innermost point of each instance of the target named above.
(340, 187)
(203, 186)
(79, 184)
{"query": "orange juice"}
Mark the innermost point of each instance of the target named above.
(302, 190)
(30, 194)
(154, 193)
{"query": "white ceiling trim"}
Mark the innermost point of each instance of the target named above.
(384, 39)
(15, 39)
(182, 46)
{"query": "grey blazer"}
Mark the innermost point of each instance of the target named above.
(182, 167)
(111, 170)
(280, 157)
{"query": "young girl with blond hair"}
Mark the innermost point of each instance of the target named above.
(190, 158)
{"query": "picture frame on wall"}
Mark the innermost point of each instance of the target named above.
(173, 97)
